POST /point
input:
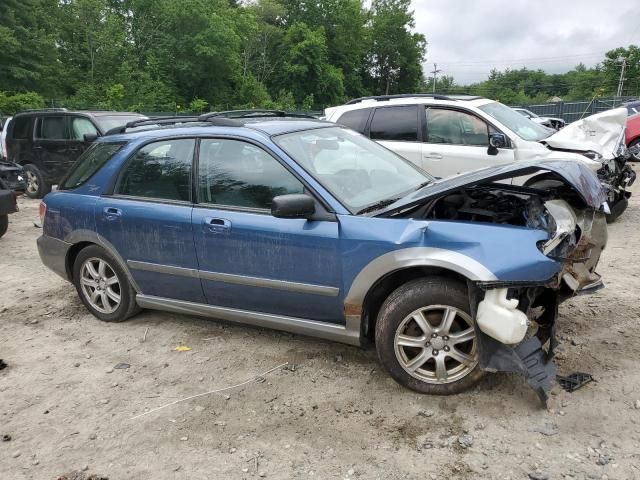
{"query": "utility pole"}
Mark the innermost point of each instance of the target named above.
(621, 81)
(435, 75)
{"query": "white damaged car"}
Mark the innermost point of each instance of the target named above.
(449, 135)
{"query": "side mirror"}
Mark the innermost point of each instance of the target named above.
(496, 141)
(89, 137)
(293, 206)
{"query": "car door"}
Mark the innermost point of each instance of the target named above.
(397, 129)
(54, 150)
(250, 260)
(457, 141)
(147, 219)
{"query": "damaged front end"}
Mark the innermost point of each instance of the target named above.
(515, 317)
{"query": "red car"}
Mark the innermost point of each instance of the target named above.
(632, 134)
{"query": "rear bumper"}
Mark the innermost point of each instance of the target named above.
(53, 253)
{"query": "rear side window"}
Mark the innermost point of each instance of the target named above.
(21, 128)
(53, 128)
(159, 170)
(355, 119)
(89, 163)
(395, 123)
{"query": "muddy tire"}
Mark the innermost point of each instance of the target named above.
(426, 339)
(4, 224)
(37, 186)
(103, 285)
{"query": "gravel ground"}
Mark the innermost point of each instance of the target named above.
(69, 411)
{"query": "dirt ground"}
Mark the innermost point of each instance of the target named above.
(336, 414)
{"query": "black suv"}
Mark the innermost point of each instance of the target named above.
(47, 142)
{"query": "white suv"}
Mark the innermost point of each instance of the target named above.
(448, 135)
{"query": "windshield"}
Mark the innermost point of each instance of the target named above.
(107, 122)
(358, 172)
(514, 121)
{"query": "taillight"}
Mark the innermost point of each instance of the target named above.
(43, 212)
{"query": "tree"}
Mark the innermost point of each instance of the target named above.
(396, 54)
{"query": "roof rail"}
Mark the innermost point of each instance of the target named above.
(380, 98)
(44, 110)
(256, 113)
(160, 121)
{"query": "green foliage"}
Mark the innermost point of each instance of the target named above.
(11, 104)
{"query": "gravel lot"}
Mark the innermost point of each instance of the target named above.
(335, 415)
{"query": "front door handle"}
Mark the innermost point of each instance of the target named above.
(112, 213)
(217, 225)
(433, 156)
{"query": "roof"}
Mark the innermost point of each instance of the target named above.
(245, 127)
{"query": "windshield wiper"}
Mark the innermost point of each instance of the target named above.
(422, 185)
(378, 205)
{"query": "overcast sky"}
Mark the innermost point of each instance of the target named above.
(468, 38)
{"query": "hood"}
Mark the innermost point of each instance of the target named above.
(601, 133)
(577, 175)
(9, 166)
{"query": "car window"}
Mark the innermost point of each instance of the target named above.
(239, 174)
(107, 122)
(455, 128)
(80, 127)
(395, 123)
(159, 170)
(523, 127)
(53, 128)
(21, 128)
(355, 119)
(89, 163)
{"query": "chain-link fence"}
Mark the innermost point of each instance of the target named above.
(572, 111)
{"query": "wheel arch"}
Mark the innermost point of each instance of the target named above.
(373, 284)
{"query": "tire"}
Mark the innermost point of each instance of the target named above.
(636, 157)
(4, 224)
(37, 186)
(89, 280)
(429, 299)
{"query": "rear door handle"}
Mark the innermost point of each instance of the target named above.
(112, 213)
(217, 225)
(433, 156)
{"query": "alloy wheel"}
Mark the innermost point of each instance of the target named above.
(437, 344)
(32, 183)
(100, 285)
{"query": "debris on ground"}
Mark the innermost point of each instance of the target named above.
(182, 348)
(3, 365)
(121, 366)
(574, 381)
(76, 475)
(6, 438)
(547, 429)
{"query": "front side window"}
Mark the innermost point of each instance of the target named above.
(89, 163)
(455, 128)
(159, 170)
(357, 171)
(53, 128)
(80, 127)
(395, 123)
(239, 174)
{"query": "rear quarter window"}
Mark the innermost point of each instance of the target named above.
(355, 119)
(20, 128)
(89, 163)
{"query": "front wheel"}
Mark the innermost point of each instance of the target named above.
(426, 339)
(635, 157)
(37, 186)
(4, 224)
(103, 285)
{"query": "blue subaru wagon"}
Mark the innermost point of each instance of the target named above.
(305, 226)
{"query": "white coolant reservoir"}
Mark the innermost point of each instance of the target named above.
(499, 318)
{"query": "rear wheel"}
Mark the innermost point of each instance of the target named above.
(103, 286)
(4, 224)
(37, 186)
(426, 339)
